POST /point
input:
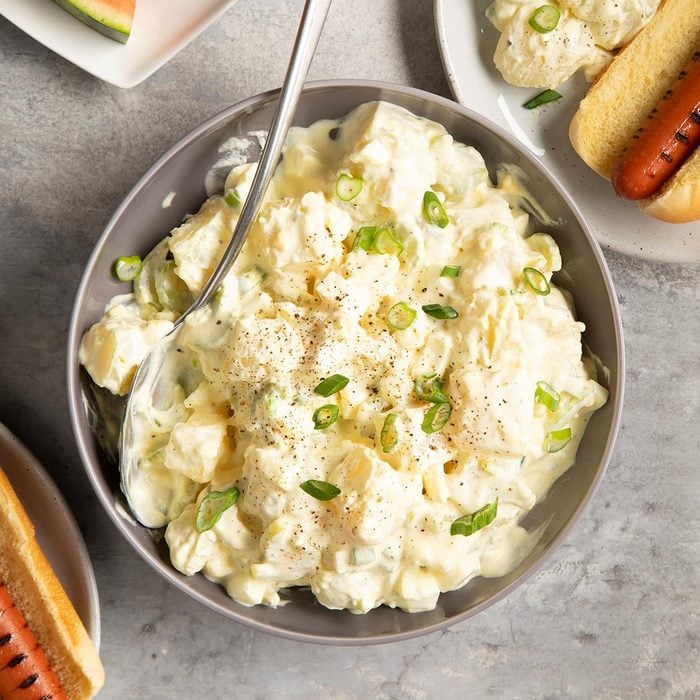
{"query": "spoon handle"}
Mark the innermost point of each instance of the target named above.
(312, 20)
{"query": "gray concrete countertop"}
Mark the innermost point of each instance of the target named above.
(613, 614)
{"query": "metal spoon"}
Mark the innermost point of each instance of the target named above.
(174, 490)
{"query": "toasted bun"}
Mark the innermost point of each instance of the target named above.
(618, 103)
(40, 597)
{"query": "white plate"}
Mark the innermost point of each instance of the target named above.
(56, 530)
(161, 28)
(467, 42)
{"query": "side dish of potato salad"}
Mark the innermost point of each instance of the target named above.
(386, 382)
(542, 43)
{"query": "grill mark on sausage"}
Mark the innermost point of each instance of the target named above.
(666, 157)
(682, 137)
(4, 640)
(17, 660)
(29, 681)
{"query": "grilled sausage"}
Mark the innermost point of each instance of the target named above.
(25, 672)
(670, 136)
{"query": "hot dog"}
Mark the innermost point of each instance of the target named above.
(45, 651)
(25, 672)
(639, 123)
(662, 145)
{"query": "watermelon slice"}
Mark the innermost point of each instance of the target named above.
(112, 18)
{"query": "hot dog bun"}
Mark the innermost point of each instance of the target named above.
(619, 102)
(40, 598)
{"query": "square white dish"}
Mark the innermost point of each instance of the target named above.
(161, 28)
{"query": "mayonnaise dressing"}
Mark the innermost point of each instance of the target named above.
(586, 36)
(235, 405)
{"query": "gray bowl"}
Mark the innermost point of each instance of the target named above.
(140, 222)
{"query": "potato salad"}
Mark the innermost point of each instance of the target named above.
(386, 382)
(542, 44)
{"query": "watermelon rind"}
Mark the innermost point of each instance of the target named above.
(111, 24)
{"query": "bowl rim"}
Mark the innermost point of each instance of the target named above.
(82, 434)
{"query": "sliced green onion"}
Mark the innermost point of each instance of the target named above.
(544, 19)
(433, 211)
(213, 506)
(331, 385)
(542, 99)
(232, 198)
(436, 417)
(469, 524)
(536, 281)
(440, 311)
(547, 395)
(127, 268)
(364, 238)
(325, 416)
(320, 490)
(451, 271)
(429, 388)
(386, 242)
(389, 436)
(557, 440)
(348, 187)
(378, 239)
(400, 316)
